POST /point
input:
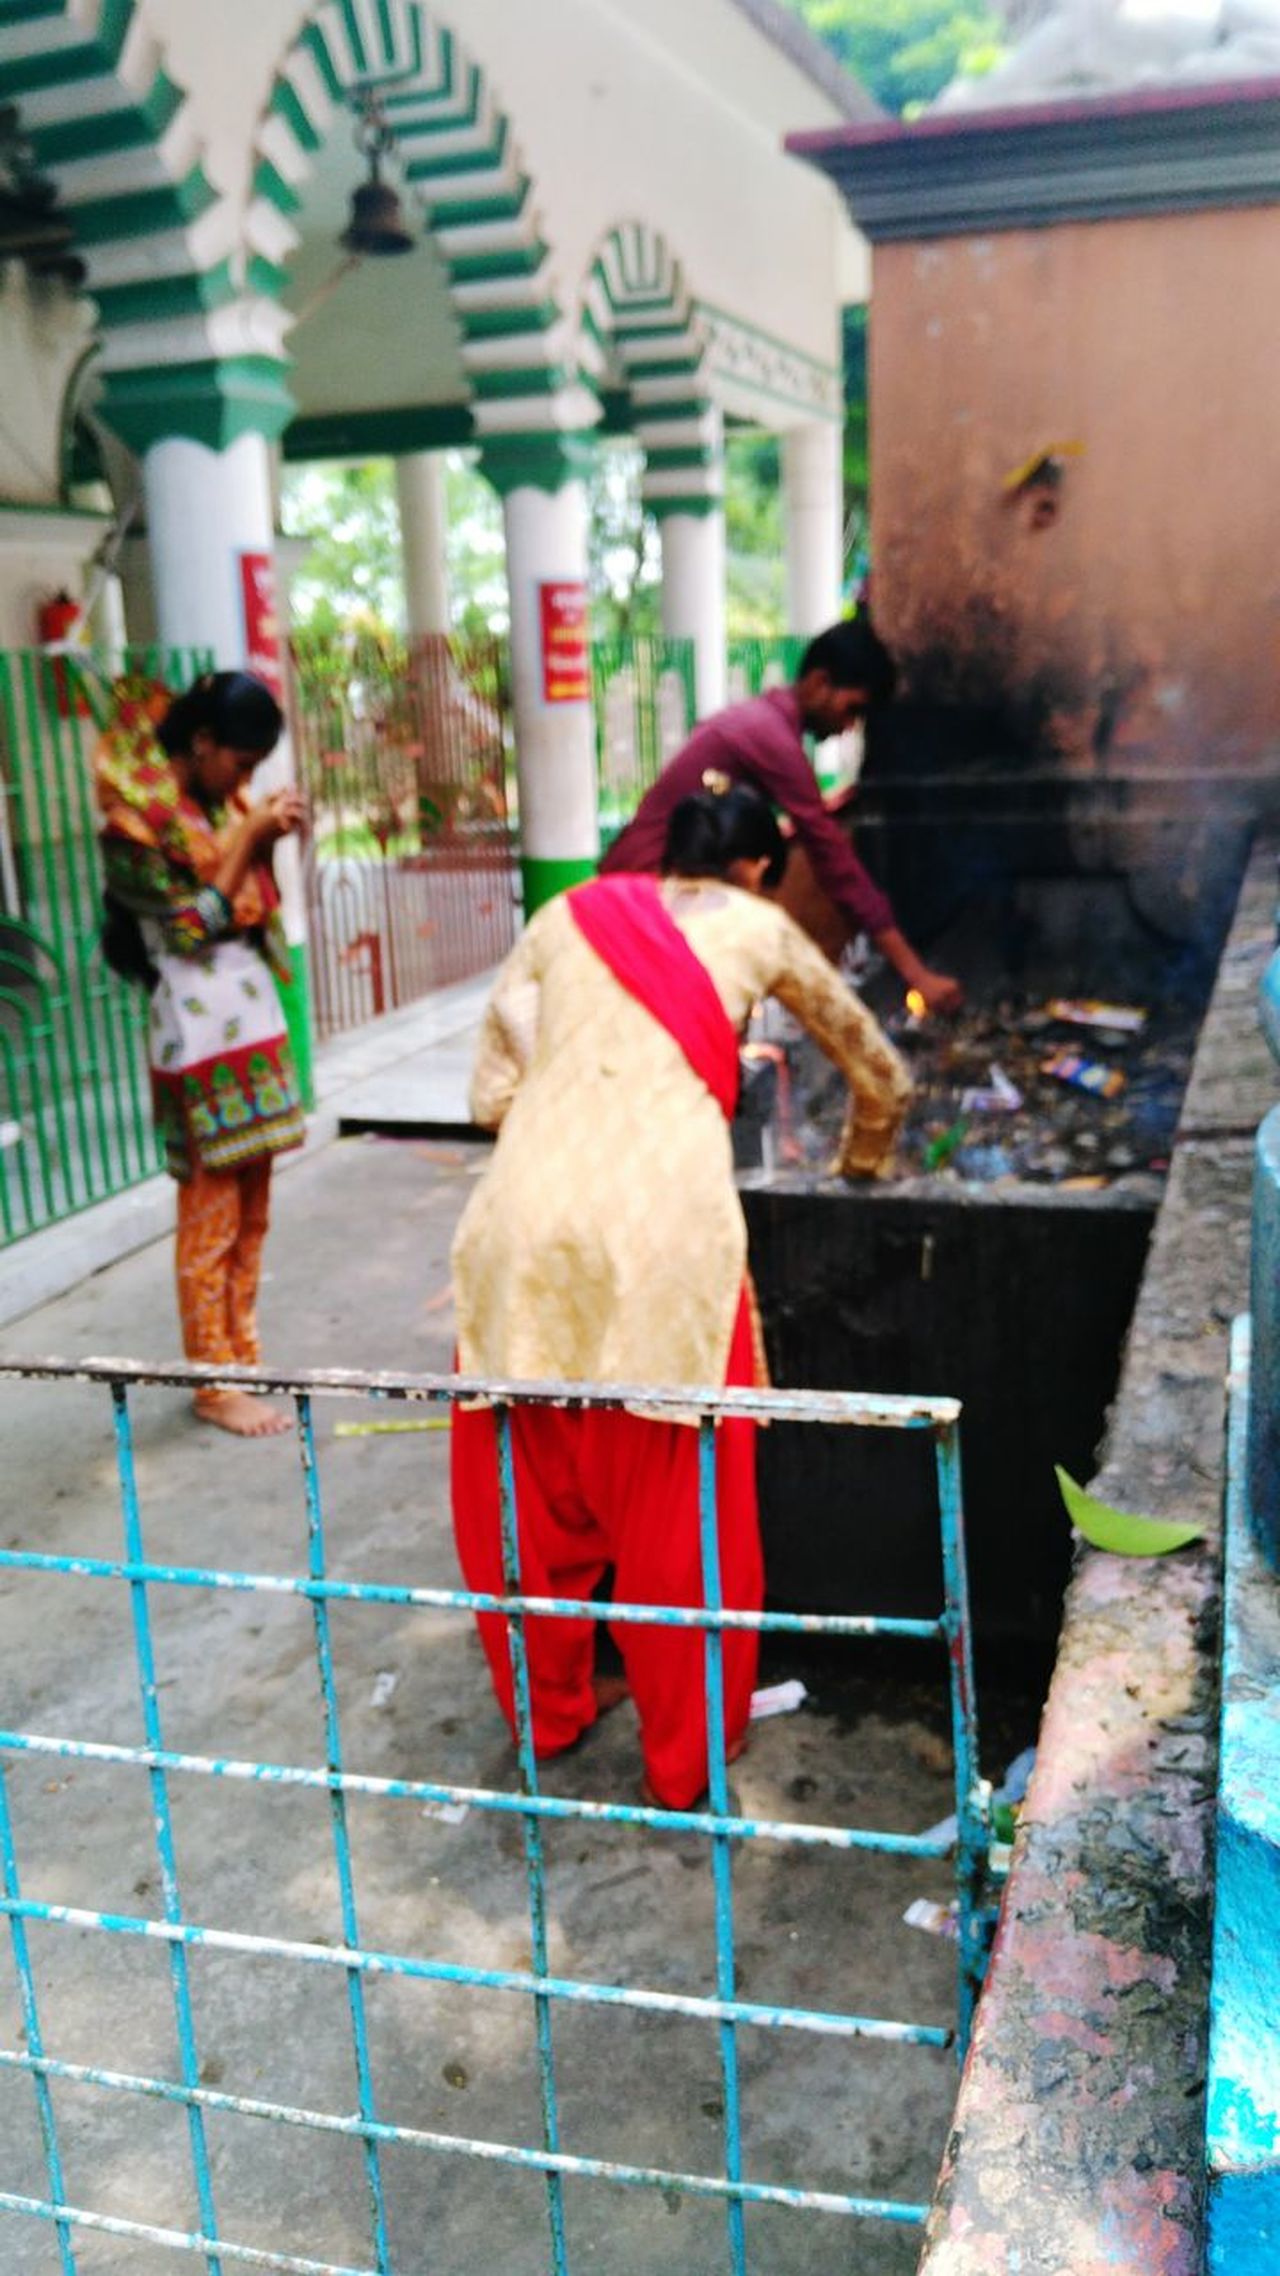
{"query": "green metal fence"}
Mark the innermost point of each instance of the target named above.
(75, 1120)
(643, 690)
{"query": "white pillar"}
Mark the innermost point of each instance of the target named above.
(205, 508)
(693, 597)
(420, 496)
(813, 512)
(546, 534)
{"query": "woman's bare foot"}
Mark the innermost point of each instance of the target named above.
(610, 1691)
(243, 1416)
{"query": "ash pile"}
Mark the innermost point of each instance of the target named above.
(1044, 1091)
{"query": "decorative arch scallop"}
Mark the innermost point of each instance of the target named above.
(640, 332)
(458, 154)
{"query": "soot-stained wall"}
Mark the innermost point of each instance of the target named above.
(1018, 1308)
(1133, 620)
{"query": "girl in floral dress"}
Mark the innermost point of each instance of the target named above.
(187, 857)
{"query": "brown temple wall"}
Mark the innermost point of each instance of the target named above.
(1142, 627)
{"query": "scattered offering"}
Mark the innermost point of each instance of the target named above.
(1086, 1011)
(941, 1148)
(934, 1919)
(1000, 1096)
(1124, 1532)
(965, 1071)
(777, 1699)
(1084, 1074)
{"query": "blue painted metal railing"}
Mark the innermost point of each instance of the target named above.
(1264, 1302)
(717, 1822)
(1242, 2105)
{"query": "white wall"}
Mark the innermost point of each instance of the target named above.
(43, 334)
(44, 331)
(41, 551)
(623, 110)
(225, 56)
(653, 133)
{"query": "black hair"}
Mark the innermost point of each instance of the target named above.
(713, 829)
(238, 710)
(123, 946)
(852, 655)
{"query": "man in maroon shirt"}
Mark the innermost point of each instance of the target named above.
(842, 672)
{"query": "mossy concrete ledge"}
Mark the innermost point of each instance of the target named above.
(1078, 2141)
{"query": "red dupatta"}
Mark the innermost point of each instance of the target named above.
(623, 919)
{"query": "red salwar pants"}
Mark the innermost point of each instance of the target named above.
(598, 1488)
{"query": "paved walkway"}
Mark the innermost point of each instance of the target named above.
(408, 1070)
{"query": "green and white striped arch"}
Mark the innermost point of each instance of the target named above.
(458, 153)
(639, 331)
(115, 133)
(192, 320)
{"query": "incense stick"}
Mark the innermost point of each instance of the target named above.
(383, 1429)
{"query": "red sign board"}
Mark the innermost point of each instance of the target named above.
(261, 620)
(566, 674)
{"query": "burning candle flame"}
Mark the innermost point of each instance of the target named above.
(916, 1004)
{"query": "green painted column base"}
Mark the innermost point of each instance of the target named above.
(542, 880)
(295, 999)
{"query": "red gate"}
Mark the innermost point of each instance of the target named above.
(405, 753)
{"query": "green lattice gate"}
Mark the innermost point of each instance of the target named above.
(75, 1123)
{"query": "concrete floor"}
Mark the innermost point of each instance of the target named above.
(358, 1276)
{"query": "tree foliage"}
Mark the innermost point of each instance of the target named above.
(906, 51)
(624, 574)
(755, 545)
(346, 517)
(351, 578)
(625, 541)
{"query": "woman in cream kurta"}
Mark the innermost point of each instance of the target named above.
(606, 1243)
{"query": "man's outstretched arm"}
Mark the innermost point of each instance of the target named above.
(785, 776)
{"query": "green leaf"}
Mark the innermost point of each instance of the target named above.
(1121, 1530)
